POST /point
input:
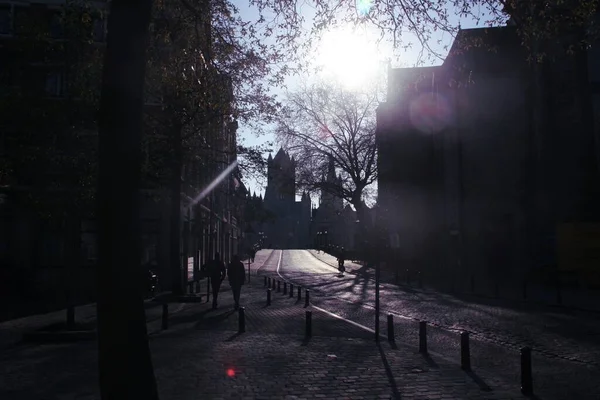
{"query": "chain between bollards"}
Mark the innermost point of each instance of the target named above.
(291, 290)
(390, 322)
(165, 316)
(268, 297)
(242, 320)
(306, 297)
(423, 337)
(465, 351)
(526, 374)
(308, 323)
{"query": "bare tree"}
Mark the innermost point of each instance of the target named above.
(325, 123)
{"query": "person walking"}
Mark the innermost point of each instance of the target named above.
(216, 273)
(237, 277)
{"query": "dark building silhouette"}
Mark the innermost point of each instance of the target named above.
(332, 223)
(289, 222)
(488, 163)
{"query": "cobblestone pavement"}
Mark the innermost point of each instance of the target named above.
(202, 356)
(566, 345)
(572, 298)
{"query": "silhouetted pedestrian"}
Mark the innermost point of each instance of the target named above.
(216, 272)
(237, 277)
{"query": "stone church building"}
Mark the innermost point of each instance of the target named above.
(292, 224)
(288, 227)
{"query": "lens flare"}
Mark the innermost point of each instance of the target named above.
(430, 113)
(230, 372)
(214, 183)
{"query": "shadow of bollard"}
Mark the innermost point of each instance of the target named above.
(465, 351)
(423, 337)
(268, 297)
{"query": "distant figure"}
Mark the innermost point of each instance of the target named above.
(237, 277)
(252, 253)
(216, 273)
(341, 260)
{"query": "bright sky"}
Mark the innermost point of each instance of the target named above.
(352, 56)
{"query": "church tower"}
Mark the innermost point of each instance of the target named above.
(329, 200)
(281, 180)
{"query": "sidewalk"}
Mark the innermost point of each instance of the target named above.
(202, 356)
(570, 298)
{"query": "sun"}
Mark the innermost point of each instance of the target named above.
(348, 56)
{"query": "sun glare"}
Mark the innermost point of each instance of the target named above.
(348, 56)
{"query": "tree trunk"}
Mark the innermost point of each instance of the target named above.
(175, 223)
(125, 365)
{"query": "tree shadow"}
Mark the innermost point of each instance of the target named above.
(214, 320)
(233, 337)
(388, 372)
(430, 361)
(480, 382)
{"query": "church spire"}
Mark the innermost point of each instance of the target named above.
(331, 169)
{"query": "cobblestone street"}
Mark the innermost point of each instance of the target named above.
(203, 356)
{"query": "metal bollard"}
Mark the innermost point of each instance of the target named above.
(265, 281)
(165, 316)
(390, 322)
(278, 286)
(465, 351)
(284, 287)
(526, 374)
(273, 284)
(299, 293)
(269, 285)
(268, 297)
(308, 323)
(306, 297)
(242, 320)
(291, 290)
(423, 337)
(207, 289)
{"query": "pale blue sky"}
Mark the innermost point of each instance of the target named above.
(400, 59)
